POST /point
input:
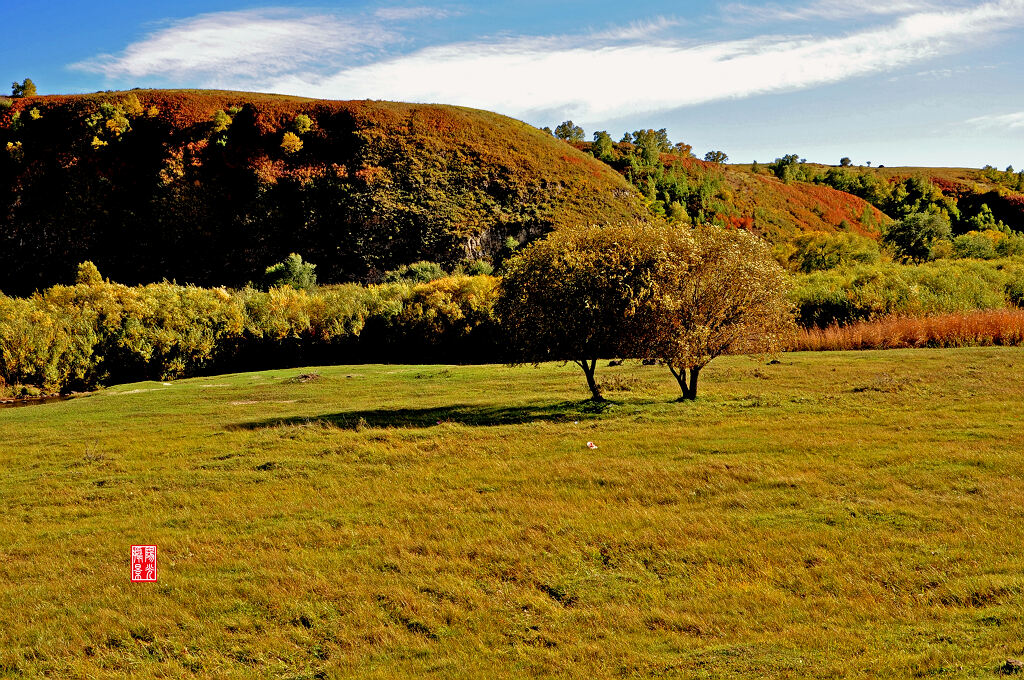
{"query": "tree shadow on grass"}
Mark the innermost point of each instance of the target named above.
(462, 414)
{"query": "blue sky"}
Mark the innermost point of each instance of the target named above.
(902, 82)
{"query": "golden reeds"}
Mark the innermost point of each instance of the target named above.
(968, 329)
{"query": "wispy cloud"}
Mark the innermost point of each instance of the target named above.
(411, 13)
(638, 30)
(828, 10)
(247, 44)
(599, 76)
(1005, 121)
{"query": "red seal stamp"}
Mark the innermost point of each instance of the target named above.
(143, 563)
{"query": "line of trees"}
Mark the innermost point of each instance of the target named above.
(678, 193)
(97, 332)
(1009, 178)
(902, 197)
(930, 221)
(648, 143)
(679, 295)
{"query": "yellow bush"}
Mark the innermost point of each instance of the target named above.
(290, 143)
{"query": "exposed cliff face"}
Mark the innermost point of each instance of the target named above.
(211, 187)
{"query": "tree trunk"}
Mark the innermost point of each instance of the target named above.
(694, 374)
(680, 377)
(589, 367)
(688, 387)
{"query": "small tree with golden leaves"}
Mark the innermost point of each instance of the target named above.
(721, 292)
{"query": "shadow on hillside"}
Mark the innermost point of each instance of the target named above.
(477, 416)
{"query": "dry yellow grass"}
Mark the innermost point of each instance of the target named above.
(833, 515)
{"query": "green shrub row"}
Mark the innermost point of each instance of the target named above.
(861, 292)
(77, 337)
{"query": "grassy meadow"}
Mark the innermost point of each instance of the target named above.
(831, 515)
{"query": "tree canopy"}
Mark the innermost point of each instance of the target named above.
(604, 147)
(573, 295)
(291, 271)
(569, 132)
(788, 168)
(290, 143)
(913, 237)
(651, 144)
(685, 296)
(302, 124)
(717, 292)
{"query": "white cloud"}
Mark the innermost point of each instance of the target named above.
(1005, 121)
(410, 13)
(247, 44)
(588, 80)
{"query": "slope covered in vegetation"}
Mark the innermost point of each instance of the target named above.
(782, 210)
(211, 187)
(685, 189)
(972, 199)
(790, 197)
(974, 191)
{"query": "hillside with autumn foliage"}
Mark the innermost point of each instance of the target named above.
(971, 198)
(972, 190)
(682, 188)
(779, 210)
(790, 197)
(211, 187)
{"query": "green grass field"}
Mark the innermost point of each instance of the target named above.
(832, 515)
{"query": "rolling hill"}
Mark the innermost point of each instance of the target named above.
(211, 187)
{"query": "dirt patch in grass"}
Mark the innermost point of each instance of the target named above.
(623, 383)
(886, 383)
(304, 378)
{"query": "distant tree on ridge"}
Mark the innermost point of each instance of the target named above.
(24, 89)
(569, 131)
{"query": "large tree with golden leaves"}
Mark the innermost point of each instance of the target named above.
(720, 292)
(574, 295)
